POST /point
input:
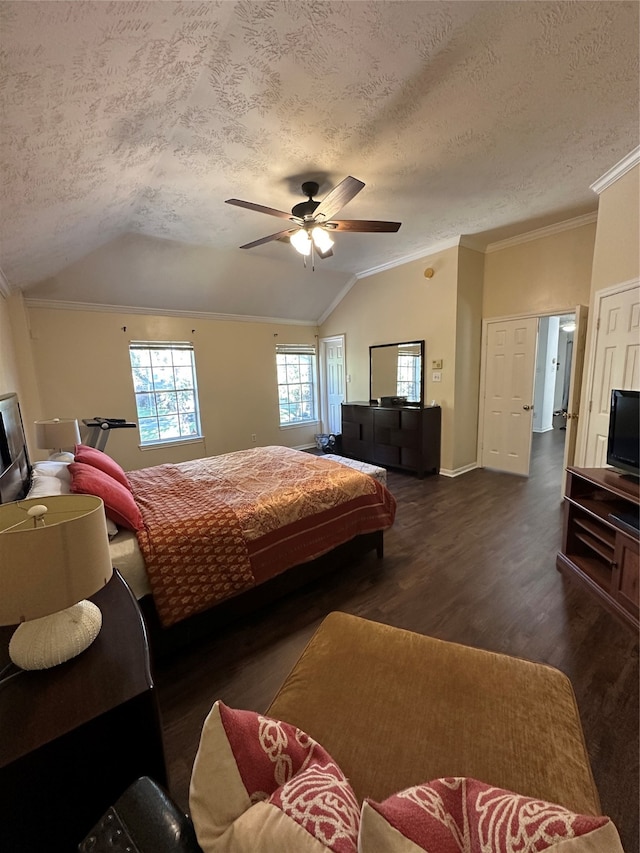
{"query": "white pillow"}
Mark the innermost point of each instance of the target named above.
(53, 478)
(52, 469)
(44, 485)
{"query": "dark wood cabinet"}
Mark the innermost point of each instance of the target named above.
(73, 737)
(598, 547)
(406, 437)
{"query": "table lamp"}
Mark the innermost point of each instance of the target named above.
(54, 552)
(57, 434)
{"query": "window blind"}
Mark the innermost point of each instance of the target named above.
(295, 349)
(184, 345)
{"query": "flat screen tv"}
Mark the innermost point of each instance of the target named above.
(623, 445)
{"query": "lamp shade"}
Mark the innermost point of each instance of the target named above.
(57, 433)
(52, 561)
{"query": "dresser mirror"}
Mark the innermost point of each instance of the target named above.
(397, 370)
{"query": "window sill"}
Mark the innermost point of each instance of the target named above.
(300, 425)
(172, 442)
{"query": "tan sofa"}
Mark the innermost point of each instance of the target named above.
(396, 709)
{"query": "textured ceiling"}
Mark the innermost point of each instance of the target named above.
(125, 126)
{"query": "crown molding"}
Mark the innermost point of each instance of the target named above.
(414, 256)
(338, 299)
(547, 231)
(162, 312)
(632, 159)
(5, 290)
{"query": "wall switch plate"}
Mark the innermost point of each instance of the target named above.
(436, 364)
(436, 376)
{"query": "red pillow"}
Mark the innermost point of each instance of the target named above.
(456, 813)
(260, 784)
(100, 460)
(118, 501)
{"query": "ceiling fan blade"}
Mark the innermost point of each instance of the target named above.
(337, 198)
(258, 207)
(364, 225)
(286, 233)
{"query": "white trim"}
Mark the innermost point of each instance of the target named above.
(162, 312)
(595, 310)
(457, 472)
(337, 300)
(472, 241)
(322, 377)
(5, 290)
(632, 159)
(171, 443)
(539, 233)
(414, 256)
(301, 425)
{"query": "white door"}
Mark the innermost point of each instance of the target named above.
(333, 383)
(616, 364)
(575, 387)
(508, 400)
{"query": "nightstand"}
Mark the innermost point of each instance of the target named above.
(73, 737)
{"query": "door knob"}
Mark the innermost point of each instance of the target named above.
(527, 408)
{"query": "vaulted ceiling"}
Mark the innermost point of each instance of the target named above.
(126, 125)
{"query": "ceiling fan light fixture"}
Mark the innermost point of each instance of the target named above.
(321, 239)
(301, 241)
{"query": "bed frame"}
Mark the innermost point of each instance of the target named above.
(15, 478)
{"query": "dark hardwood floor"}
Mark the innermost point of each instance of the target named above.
(470, 559)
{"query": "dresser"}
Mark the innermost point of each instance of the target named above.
(404, 437)
(73, 737)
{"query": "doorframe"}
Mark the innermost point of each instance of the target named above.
(483, 362)
(324, 399)
(588, 377)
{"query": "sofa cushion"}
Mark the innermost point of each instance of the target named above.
(510, 722)
(261, 785)
(454, 814)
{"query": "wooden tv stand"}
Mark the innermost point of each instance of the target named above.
(597, 549)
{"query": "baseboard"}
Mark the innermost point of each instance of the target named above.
(456, 472)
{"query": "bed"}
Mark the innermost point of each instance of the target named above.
(191, 536)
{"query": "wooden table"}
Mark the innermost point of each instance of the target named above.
(73, 737)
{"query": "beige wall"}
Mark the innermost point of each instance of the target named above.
(82, 365)
(8, 363)
(617, 253)
(543, 276)
(468, 337)
(616, 260)
(400, 304)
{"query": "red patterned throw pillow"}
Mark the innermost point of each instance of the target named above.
(259, 785)
(102, 461)
(119, 504)
(454, 814)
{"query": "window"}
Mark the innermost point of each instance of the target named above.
(408, 375)
(296, 366)
(164, 383)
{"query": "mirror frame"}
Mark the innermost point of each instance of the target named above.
(373, 399)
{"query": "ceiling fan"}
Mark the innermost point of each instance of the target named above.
(313, 220)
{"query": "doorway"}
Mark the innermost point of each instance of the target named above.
(553, 372)
(332, 383)
(531, 374)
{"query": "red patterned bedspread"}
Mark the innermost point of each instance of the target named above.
(216, 526)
